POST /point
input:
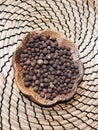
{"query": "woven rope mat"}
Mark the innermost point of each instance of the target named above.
(78, 20)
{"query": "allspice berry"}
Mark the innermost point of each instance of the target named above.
(40, 62)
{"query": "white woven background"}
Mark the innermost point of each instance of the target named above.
(78, 20)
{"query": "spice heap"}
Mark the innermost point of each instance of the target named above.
(48, 67)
